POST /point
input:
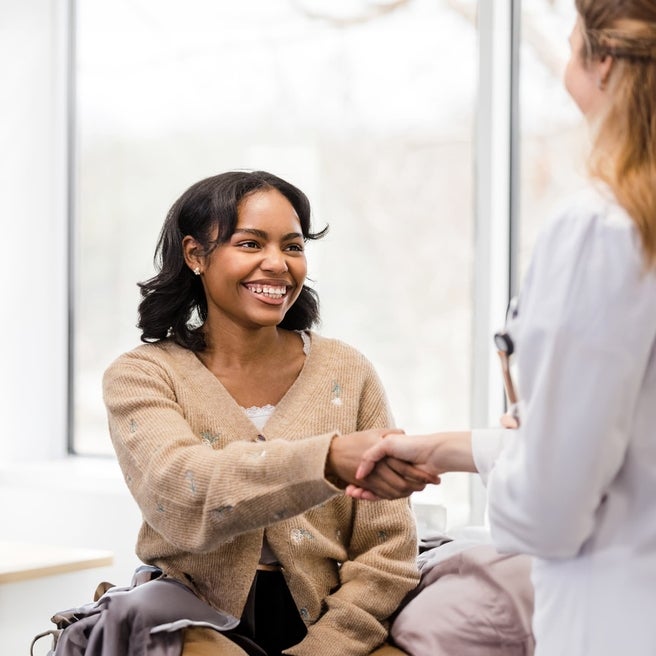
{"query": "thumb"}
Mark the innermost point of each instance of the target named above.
(394, 431)
(369, 459)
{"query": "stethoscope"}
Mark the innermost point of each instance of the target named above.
(505, 348)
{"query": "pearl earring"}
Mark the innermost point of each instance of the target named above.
(197, 271)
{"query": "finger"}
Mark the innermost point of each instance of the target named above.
(394, 431)
(360, 493)
(387, 483)
(376, 489)
(365, 468)
(410, 472)
(373, 493)
(369, 459)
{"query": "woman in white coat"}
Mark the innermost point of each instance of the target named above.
(575, 484)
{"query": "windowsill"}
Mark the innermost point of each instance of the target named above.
(20, 561)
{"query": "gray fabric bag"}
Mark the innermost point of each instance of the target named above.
(143, 619)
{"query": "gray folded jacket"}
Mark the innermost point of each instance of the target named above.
(139, 620)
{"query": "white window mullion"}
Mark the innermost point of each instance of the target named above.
(492, 216)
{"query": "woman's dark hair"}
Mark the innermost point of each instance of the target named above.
(173, 301)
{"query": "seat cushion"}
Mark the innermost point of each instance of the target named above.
(476, 603)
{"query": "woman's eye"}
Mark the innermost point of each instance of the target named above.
(248, 244)
(298, 248)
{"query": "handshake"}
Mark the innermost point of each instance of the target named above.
(387, 464)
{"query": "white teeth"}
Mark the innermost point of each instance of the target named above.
(268, 290)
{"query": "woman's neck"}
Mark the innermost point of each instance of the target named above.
(256, 367)
(232, 346)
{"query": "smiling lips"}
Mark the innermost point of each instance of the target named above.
(275, 292)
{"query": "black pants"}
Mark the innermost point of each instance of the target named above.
(270, 618)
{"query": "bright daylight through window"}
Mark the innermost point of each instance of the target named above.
(368, 106)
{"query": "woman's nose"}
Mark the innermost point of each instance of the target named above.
(274, 260)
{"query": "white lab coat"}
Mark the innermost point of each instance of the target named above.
(575, 486)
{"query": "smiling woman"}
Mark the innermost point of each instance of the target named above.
(237, 429)
(264, 257)
(225, 229)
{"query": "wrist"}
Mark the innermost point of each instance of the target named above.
(331, 473)
(454, 452)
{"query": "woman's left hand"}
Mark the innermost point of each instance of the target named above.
(509, 420)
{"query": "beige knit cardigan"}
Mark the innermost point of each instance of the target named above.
(209, 488)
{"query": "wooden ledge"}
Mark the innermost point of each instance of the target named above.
(22, 561)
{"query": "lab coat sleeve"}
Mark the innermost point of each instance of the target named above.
(487, 444)
(586, 329)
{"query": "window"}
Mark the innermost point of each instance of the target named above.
(551, 130)
(367, 106)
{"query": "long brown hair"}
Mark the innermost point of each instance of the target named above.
(624, 148)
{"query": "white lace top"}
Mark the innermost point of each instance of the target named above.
(260, 415)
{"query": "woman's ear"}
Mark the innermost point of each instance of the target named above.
(604, 67)
(192, 251)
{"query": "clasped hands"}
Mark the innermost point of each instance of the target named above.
(370, 468)
(386, 464)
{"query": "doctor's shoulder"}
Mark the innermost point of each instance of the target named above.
(589, 213)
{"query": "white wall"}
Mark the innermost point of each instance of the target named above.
(32, 268)
(45, 497)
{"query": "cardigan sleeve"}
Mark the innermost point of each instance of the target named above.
(194, 496)
(381, 568)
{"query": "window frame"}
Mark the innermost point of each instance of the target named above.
(496, 214)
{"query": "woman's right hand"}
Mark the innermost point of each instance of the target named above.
(432, 455)
(389, 478)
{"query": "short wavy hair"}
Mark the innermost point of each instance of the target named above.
(173, 304)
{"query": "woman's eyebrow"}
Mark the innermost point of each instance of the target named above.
(265, 235)
(251, 231)
(292, 235)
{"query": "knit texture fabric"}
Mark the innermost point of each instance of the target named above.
(210, 488)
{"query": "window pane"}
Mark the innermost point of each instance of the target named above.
(552, 135)
(359, 104)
